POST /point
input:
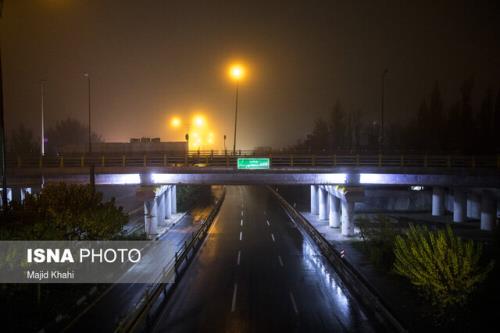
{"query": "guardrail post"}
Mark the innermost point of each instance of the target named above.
(227, 161)
(82, 161)
(186, 159)
(102, 161)
(291, 160)
(334, 160)
(123, 160)
(144, 161)
(313, 160)
(448, 162)
(402, 163)
(18, 161)
(357, 159)
(61, 162)
(164, 160)
(425, 161)
(40, 162)
(379, 160)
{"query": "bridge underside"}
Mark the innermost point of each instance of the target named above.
(288, 176)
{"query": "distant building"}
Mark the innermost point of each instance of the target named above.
(135, 145)
(263, 149)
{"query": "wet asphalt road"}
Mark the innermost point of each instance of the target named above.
(256, 272)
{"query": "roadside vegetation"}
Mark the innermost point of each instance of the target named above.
(58, 212)
(445, 269)
(190, 195)
(448, 275)
(63, 212)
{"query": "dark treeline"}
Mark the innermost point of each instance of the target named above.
(434, 127)
(68, 132)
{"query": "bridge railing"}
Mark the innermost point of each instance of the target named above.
(278, 160)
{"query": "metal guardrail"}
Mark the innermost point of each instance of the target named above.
(278, 160)
(363, 289)
(141, 312)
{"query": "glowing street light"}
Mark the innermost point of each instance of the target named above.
(199, 121)
(176, 122)
(236, 72)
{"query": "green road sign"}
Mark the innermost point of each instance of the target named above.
(253, 163)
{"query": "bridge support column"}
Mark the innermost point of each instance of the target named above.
(473, 206)
(347, 218)
(488, 211)
(150, 221)
(173, 193)
(323, 203)
(17, 194)
(334, 217)
(459, 205)
(437, 201)
(168, 203)
(314, 200)
(160, 202)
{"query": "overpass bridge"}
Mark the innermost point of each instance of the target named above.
(337, 181)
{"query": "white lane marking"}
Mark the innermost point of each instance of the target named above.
(293, 303)
(235, 291)
(272, 236)
(281, 261)
(239, 256)
(241, 235)
(241, 222)
(241, 213)
(268, 224)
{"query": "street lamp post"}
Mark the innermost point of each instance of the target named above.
(381, 137)
(235, 118)
(236, 72)
(42, 106)
(92, 167)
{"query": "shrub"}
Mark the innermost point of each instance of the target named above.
(378, 236)
(445, 268)
(64, 212)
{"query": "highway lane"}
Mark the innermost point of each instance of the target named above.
(256, 272)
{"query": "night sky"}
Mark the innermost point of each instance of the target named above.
(152, 59)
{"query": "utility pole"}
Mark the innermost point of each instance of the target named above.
(2, 133)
